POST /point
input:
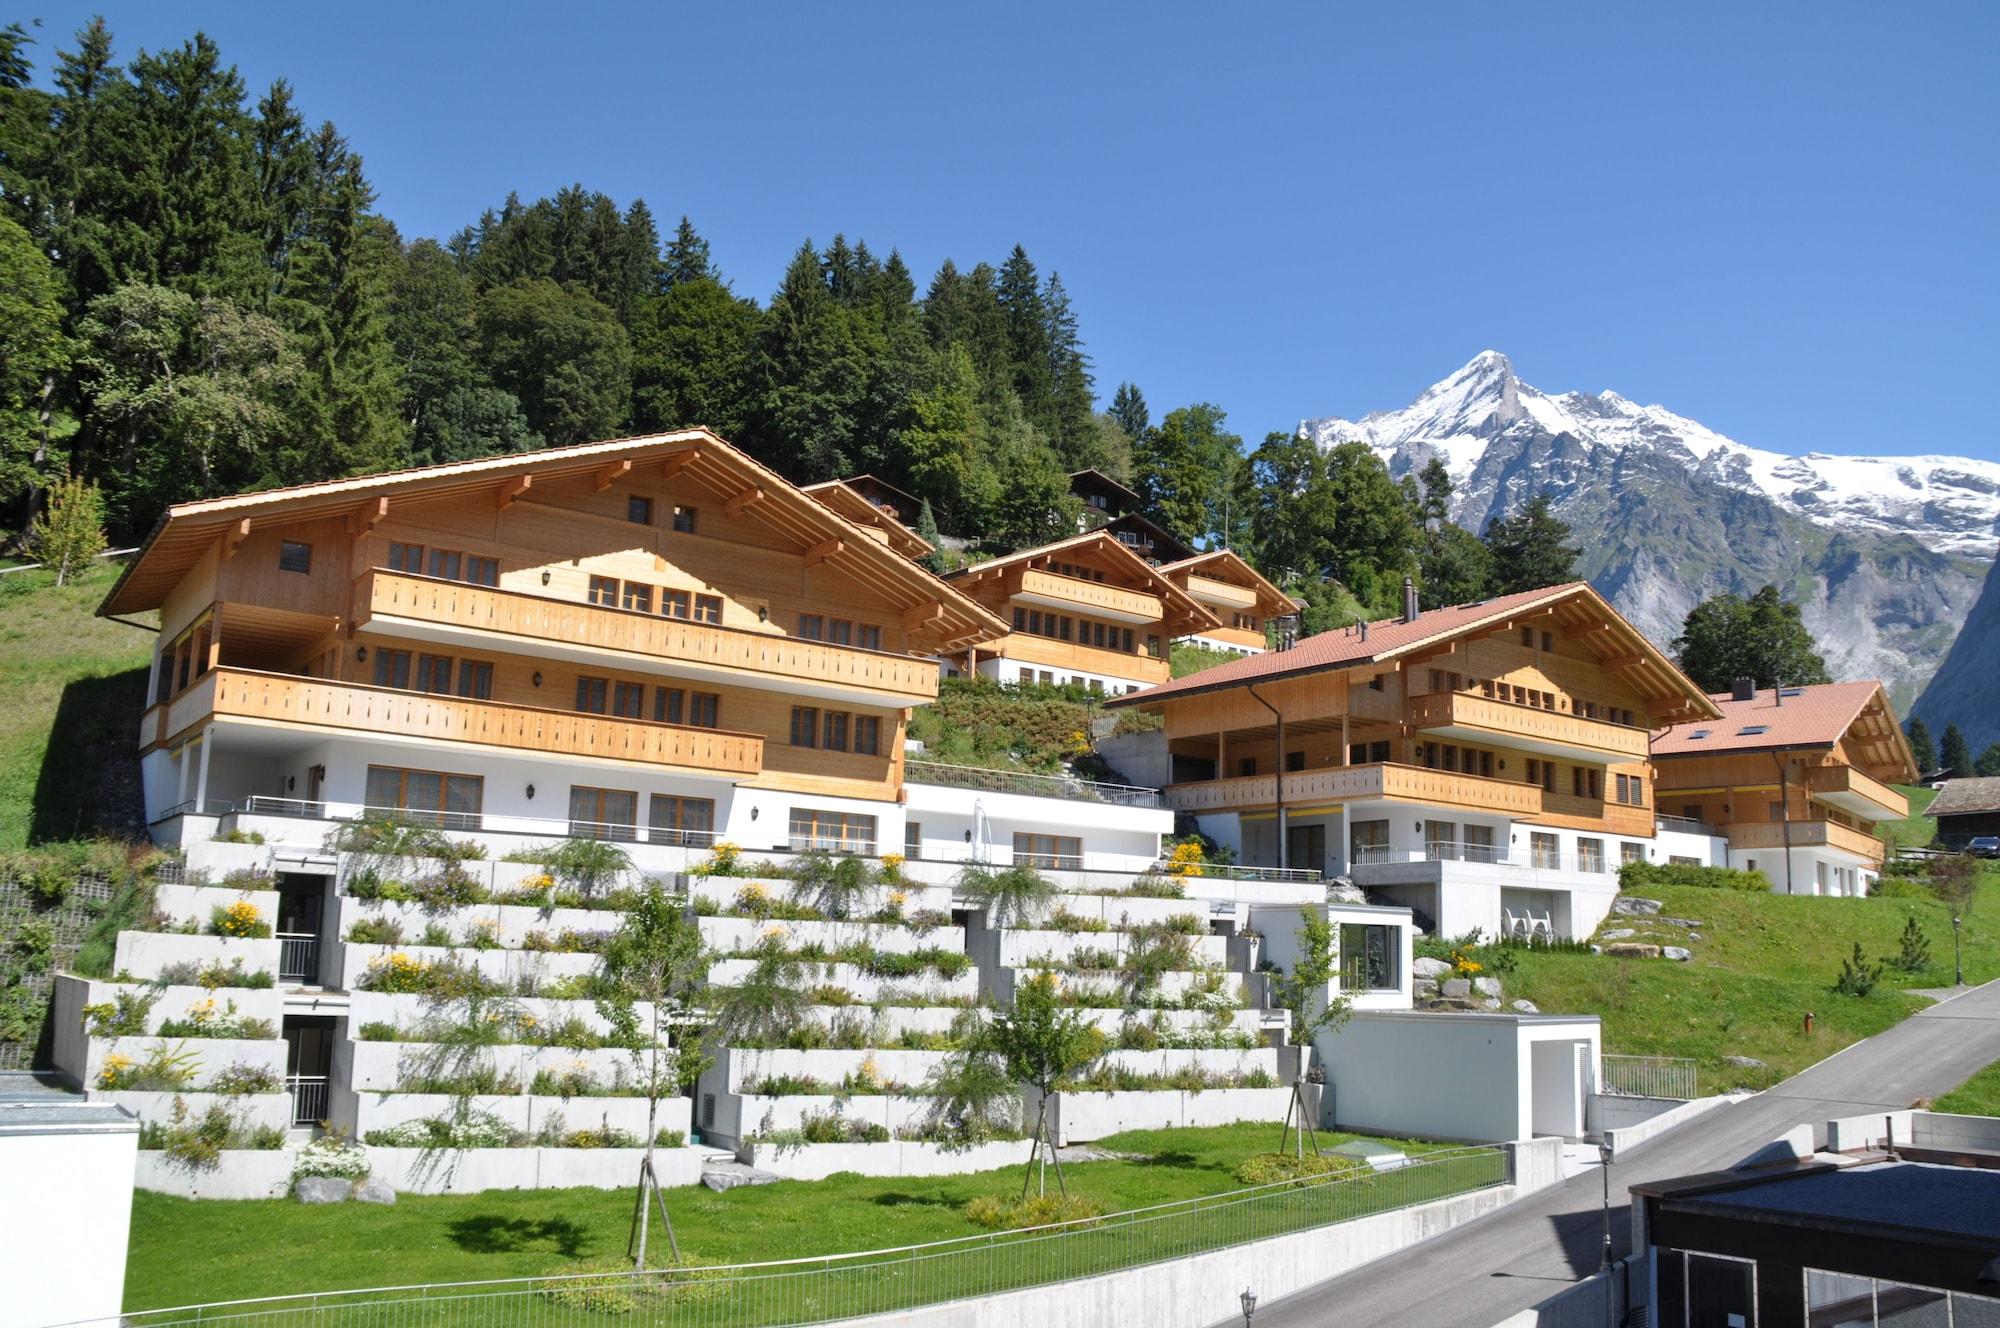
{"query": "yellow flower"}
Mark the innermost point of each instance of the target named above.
(112, 1072)
(892, 862)
(897, 898)
(1185, 860)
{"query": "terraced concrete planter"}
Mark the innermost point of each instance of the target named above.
(407, 1010)
(508, 967)
(895, 1158)
(252, 1110)
(521, 1111)
(828, 1065)
(1021, 947)
(739, 1115)
(241, 1173)
(722, 891)
(379, 1066)
(1083, 1117)
(725, 935)
(182, 903)
(862, 986)
(144, 953)
(1127, 910)
(210, 1055)
(510, 924)
(1219, 1060)
(1110, 984)
(71, 1052)
(259, 1174)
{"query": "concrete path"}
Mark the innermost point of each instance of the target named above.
(1485, 1271)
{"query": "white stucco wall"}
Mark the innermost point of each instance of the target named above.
(1115, 837)
(65, 1218)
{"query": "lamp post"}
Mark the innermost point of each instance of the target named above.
(1249, 1302)
(1957, 956)
(1604, 1170)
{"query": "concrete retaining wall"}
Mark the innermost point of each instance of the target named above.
(896, 1158)
(1083, 1117)
(246, 1174)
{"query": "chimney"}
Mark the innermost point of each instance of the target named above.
(1364, 631)
(1409, 600)
(1742, 689)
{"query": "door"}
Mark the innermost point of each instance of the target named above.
(1305, 846)
(309, 1043)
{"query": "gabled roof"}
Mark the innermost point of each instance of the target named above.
(1163, 542)
(902, 500)
(1228, 565)
(1818, 716)
(1961, 796)
(844, 498)
(1391, 639)
(1181, 607)
(697, 455)
(1085, 481)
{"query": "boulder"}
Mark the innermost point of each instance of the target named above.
(1340, 890)
(720, 1176)
(1682, 922)
(1423, 987)
(1597, 949)
(322, 1189)
(1430, 968)
(375, 1190)
(1631, 906)
(1525, 1007)
(1457, 988)
(1694, 935)
(1678, 953)
(1486, 986)
(1489, 1003)
(1618, 933)
(1745, 1062)
(1633, 950)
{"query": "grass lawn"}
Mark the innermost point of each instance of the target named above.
(1764, 960)
(74, 682)
(187, 1251)
(1977, 1096)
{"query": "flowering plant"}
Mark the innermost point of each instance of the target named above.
(240, 919)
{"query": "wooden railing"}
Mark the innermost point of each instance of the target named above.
(1090, 596)
(1360, 783)
(1437, 710)
(767, 654)
(1806, 834)
(242, 694)
(1824, 779)
(1210, 591)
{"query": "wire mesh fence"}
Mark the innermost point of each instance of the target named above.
(821, 1290)
(1650, 1076)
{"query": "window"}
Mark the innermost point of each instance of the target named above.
(1528, 637)
(1576, 780)
(913, 840)
(628, 700)
(708, 608)
(294, 556)
(812, 627)
(676, 820)
(434, 673)
(684, 518)
(1629, 851)
(407, 558)
(591, 695)
(482, 571)
(1590, 855)
(1479, 843)
(1295, 761)
(673, 603)
(702, 709)
(837, 832)
(639, 510)
(1546, 851)
(868, 637)
(1057, 852)
(475, 679)
(1020, 619)
(600, 813)
(805, 726)
(392, 668)
(1375, 683)
(1368, 955)
(1246, 766)
(1548, 641)
(1631, 790)
(1368, 842)
(451, 802)
(669, 705)
(638, 597)
(1752, 730)
(833, 734)
(867, 735)
(1441, 841)
(1153, 646)
(840, 631)
(446, 564)
(604, 590)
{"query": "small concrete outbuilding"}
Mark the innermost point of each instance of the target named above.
(66, 1169)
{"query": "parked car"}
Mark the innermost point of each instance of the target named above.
(1984, 846)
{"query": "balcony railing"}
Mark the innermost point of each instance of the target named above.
(1686, 825)
(1806, 834)
(1504, 719)
(1361, 783)
(1211, 591)
(298, 956)
(1023, 781)
(1856, 791)
(468, 822)
(385, 713)
(308, 1098)
(383, 594)
(1094, 597)
(1489, 856)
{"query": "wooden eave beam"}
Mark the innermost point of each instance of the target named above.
(366, 517)
(742, 502)
(611, 474)
(511, 491)
(1621, 661)
(680, 461)
(927, 614)
(824, 550)
(234, 535)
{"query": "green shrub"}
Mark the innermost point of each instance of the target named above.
(1272, 1168)
(330, 1155)
(124, 1015)
(243, 1078)
(379, 1030)
(376, 931)
(999, 1212)
(1857, 975)
(1913, 948)
(1902, 887)
(1648, 875)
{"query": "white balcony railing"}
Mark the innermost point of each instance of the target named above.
(308, 1098)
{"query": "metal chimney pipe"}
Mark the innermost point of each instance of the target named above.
(1409, 600)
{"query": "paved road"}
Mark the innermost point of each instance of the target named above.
(1478, 1274)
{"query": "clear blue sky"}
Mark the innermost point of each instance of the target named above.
(1777, 218)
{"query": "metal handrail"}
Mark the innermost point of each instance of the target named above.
(1670, 1077)
(309, 1094)
(1029, 782)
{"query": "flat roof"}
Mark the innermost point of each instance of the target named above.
(1925, 1198)
(34, 1104)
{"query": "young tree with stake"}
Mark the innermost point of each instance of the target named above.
(1043, 1043)
(1307, 994)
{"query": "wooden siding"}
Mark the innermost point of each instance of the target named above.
(1806, 834)
(1846, 779)
(1504, 719)
(380, 712)
(1361, 783)
(1222, 594)
(1067, 657)
(1089, 596)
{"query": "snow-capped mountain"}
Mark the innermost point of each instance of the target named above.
(1885, 554)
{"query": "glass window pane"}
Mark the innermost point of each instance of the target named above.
(385, 787)
(425, 790)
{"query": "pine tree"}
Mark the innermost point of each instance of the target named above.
(1923, 748)
(1128, 408)
(1988, 764)
(1069, 425)
(1954, 753)
(1531, 549)
(1373, 541)
(70, 533)
(687, 258)
(33, 351)
(1019, 293)
(927, 531)
(692, 353)
(562, 354)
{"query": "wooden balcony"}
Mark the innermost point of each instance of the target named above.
(1481, 719)
(1067, 657)
(507, 620)
(1360, 783)
(1806, 834)
(1857, 793)
(1223, 594)
(1094, 598)
(380, 712)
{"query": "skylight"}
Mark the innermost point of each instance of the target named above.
(1751, 730)
(1698, 733)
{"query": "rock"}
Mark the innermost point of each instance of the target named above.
(1694, 935)
(1680, 954)
(1430, 968)
(1682, 922)
(322, 1189)
(1457, 988)
(1597, 949)
(1340, 890)
(1745, 1062)
(376, 1191)
(1423, 987)
(1618, 933)
(1486, 986)
(1489, 1004)
(720, 1176)
(1631, 906)
(1525, 1007)
(1633, 950)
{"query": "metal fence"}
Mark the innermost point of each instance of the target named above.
(298, 956)
(308, 1098)
(1023, 781)
(1650, 1076)
(822, 1290)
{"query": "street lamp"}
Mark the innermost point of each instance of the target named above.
(1604, 1170)
(1957, 956)
(1249, 1300)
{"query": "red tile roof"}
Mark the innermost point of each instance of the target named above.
(1808, 717)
